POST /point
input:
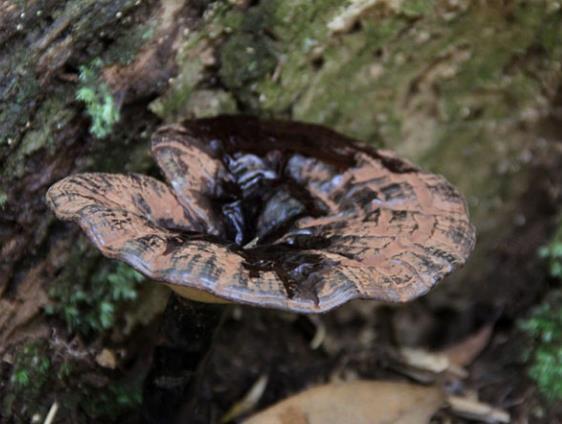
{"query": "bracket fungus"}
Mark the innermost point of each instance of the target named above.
(275, 214)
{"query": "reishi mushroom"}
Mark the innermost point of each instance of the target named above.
(274, 214)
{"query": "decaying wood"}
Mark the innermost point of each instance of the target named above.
(39, 61)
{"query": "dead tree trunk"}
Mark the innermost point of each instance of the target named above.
(458, 87)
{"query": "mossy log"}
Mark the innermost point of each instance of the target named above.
(462, 88)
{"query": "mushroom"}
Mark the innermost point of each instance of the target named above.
(280, 215)
(274, 214)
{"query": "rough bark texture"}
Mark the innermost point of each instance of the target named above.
(459, 87)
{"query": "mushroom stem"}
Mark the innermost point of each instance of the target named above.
(179, 358)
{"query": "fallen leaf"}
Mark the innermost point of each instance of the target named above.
(468, 349)
(424, 366)
(358, 402)
(425, 360)
(248, 402)
(475, 410)
(106, 359)
(319, 334)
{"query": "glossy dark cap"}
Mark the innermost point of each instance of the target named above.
(275, 214)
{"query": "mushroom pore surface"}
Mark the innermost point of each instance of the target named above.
(276, 214)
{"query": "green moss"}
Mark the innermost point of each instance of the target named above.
(173, 105)
(545, 327)
(25, 68)
(246, 58)
(31, 369)
(100, 104)
(3, 199)
(416, 8)
(207, 103)
(127, 46)
(552, 253)
(53, 115)
(115, 400)
(195, 59)
(29, 375)
(16, 111)
(81, 389)
(89, 293)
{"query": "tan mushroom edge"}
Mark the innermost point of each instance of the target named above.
(196, 295)
(74, 215)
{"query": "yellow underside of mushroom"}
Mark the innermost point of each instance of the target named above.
(197, 295)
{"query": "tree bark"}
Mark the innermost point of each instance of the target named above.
(179, 358)
(461, 88)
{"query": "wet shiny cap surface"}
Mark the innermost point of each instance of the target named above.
(275, 214)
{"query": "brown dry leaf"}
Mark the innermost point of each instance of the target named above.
(467, 350)
(424, 366)
(248, 402)
(106, 359)
(475, 410)
(424, 360)
(357, 402)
